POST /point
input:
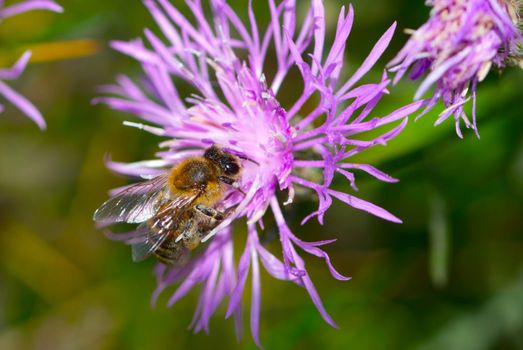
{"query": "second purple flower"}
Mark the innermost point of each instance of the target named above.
(457, 47)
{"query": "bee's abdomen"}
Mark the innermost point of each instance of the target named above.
(170, 252)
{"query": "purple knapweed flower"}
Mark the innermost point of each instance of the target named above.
(235, 104)
(457, 46)
(14, 72)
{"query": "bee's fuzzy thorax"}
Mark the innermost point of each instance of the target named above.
(196, 175)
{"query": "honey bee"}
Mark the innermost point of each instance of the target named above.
(175, 210)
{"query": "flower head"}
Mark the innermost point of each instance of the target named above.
(237, 106)
(14, 72)
(457, 46)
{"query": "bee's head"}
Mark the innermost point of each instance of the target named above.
(228, 163)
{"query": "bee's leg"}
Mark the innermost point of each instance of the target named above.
(190, 236)
(172, 254)
(213, 217)
(191, 240)
(226, 180)
(230, 181)
(229, 210)
(210, 213)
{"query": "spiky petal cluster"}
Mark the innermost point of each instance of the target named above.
(457, 46)
(14, 72)
(303, 144)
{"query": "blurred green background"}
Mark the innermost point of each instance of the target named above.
(450, 277)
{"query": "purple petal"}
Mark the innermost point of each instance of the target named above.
(23, 104)
(136, 50)
(342, 33)
(369, 169)
(309, 286)
(182, 290)
(374, 55)
(275, 267)
(439, 71)
(312, 248)
(319, 30)
(243, 271)
(26, 6)
(208, 295)
(256, 297)
(17, 69)
(365, 206)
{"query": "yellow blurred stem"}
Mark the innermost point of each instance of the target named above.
(52, 51)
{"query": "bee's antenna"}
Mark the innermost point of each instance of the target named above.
(240, 155)
(232, 183)
(249, 159)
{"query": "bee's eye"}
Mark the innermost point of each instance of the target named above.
(231, 168)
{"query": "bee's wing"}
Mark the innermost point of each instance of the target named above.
(149, 242)
(164, 222)
(134, 204)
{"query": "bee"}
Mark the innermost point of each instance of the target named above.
(175, 210)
